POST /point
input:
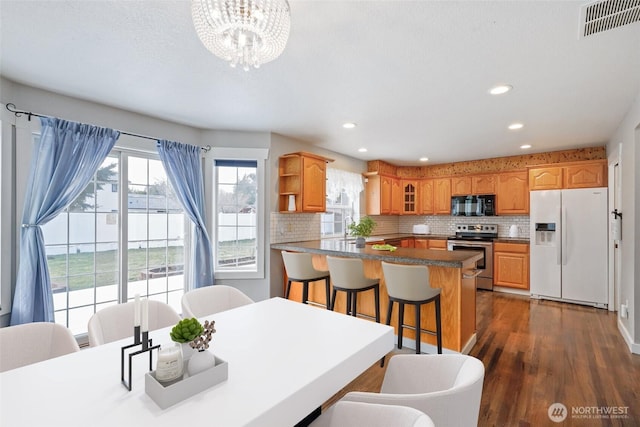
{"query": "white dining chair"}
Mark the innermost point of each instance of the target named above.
(447, 387)
(29, 343)
(116, 322)
(212, 299)
(356, 414)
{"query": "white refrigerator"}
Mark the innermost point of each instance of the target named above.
(569, 245)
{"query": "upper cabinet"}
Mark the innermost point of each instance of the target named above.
(397, 194)
(483, 184)
(473, 184)
(548, 178)
(410, 192)
(587, 174)
(461, 186)
(425, 196)
(303, 176)
(442, 196)
(512, 193)
(379, 194)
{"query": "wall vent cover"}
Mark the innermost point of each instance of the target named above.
(604, 15)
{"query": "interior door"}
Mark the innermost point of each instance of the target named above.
(584, 259)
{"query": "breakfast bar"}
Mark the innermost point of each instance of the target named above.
(452, 271)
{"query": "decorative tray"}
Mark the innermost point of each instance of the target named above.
(168, 394)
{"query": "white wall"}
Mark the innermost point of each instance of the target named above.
(628, 135)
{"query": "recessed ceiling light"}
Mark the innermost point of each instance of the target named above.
(500, 89)
(362, 150)
(515, 126)
(349, 125)
(424, 159)
(525, 146)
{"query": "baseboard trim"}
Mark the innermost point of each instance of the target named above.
(626, 336)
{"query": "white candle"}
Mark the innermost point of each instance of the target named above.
(145, 315)
(136, 312)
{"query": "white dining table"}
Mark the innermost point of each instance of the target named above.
(285, 360)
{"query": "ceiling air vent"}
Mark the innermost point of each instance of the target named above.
(607, 14)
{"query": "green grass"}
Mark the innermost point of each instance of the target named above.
(104, 264)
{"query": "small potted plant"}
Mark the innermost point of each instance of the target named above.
(362, 229)
(184, 332)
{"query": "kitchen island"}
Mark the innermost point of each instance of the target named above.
(452, 271)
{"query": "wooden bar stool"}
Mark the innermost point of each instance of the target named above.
(299, 268)
(347, 275)
(409, 284)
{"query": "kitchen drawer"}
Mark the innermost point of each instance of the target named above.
(519, 248)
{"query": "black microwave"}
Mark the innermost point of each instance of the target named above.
(473, 205)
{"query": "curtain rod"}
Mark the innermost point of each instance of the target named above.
(12, 108)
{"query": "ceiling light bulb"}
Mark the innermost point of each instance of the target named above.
(362, 150)
(525, 146)
(349, 125)
(515, 126)
(500, 89)
(424, 159)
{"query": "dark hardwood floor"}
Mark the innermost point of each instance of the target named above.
(537, 353)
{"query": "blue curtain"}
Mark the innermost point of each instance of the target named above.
(63, 163)
(184, 168)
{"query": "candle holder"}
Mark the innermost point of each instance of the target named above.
(147, 347)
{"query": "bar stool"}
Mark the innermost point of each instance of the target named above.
(347, 275)
(409, 284)
(299, 268)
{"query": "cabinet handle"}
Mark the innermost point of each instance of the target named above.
(470, 274)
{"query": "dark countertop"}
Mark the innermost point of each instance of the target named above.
(340, 247)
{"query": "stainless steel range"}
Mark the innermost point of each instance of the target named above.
(477, 237)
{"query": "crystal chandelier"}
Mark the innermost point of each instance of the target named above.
(244, 32)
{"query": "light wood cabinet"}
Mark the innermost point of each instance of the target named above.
(511, 265)
(378, 194)
(483, 184)
(461, 185)
(548, 178)
(397, 194)
(410, 197)
(421, 243)
(407, 243)
(512, 195)
(437, 244)
(425, 196)
(442, 196)
(302, 175)
(585, 175)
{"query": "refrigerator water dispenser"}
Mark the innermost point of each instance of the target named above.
(545, 233)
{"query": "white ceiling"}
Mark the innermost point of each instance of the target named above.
(414, 75)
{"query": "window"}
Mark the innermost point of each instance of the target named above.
(85, 249)
(343, 202)
(237, 213)
(340, 211)
(237, 179)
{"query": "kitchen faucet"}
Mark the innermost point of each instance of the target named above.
(346, 229)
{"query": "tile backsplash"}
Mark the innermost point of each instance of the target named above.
(446, 224)
(287, 227)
